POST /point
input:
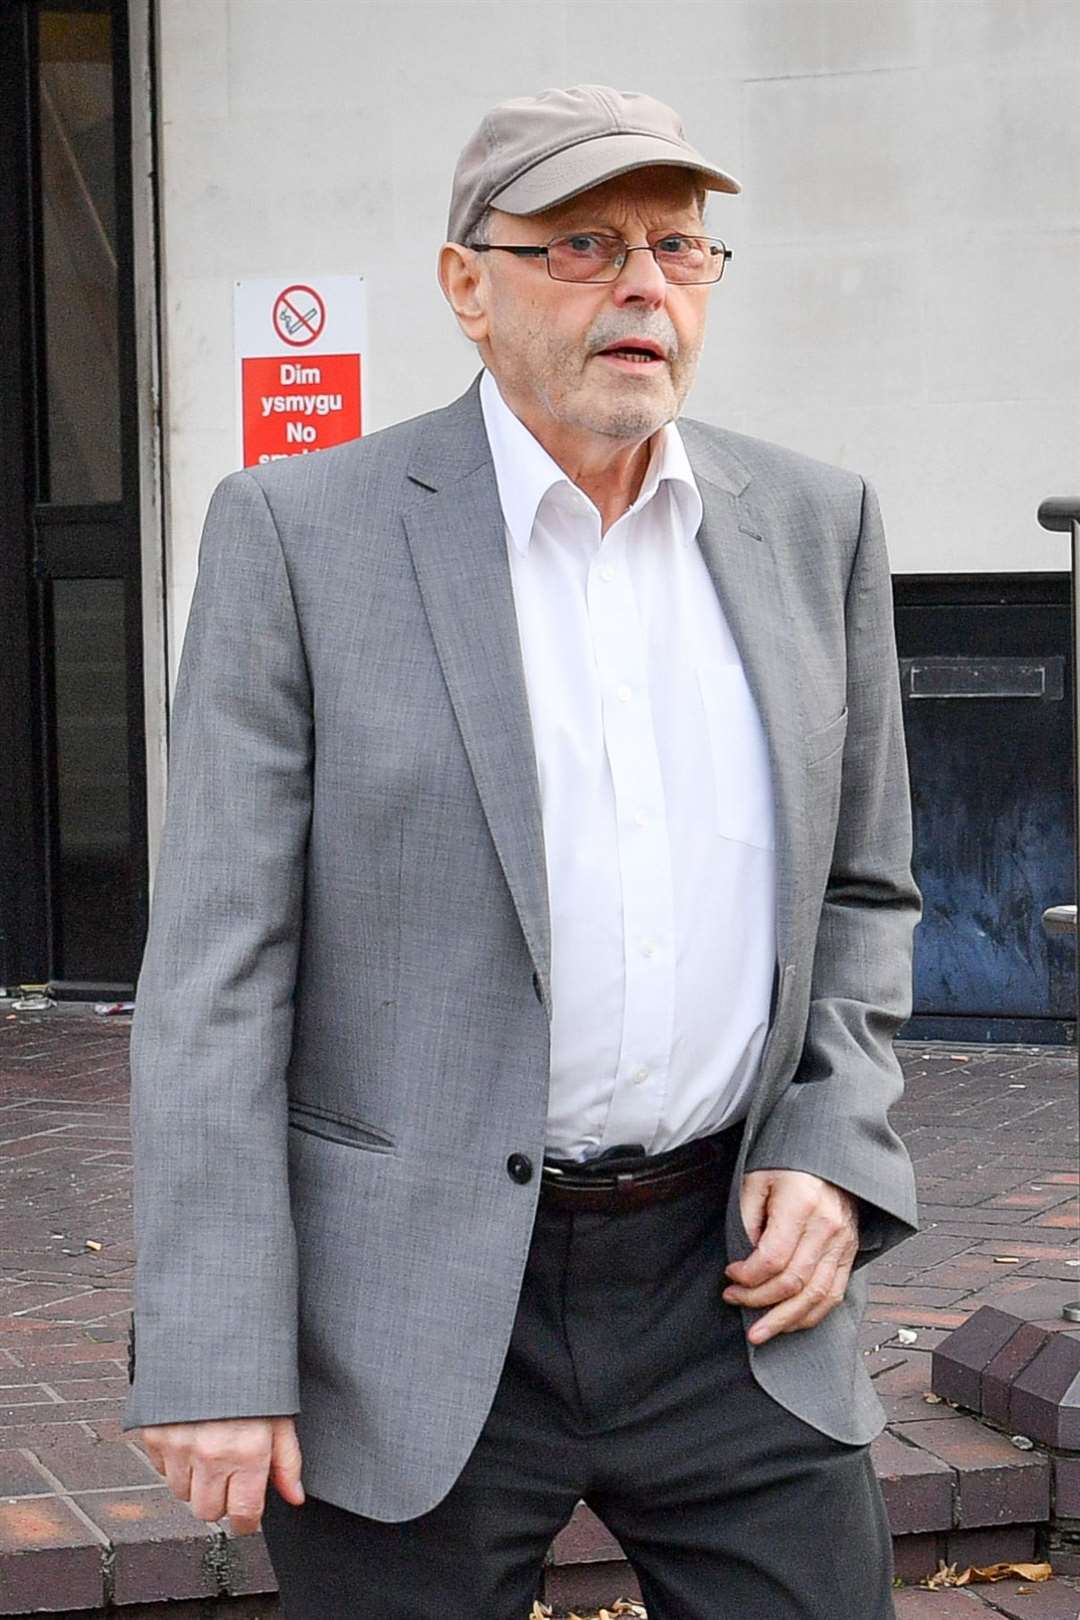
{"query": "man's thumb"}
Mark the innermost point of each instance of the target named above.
(754, 1199)
(285, 1461)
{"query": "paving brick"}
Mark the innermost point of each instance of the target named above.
(996, 1383)
(959, 1360)
(58, 1350)
(585, 1539)
(160, 1549)
(1045, 1400)
(14, 1397)
(97, 1389)
(96, 1303)
(1028, 1600)
(48, 1557)
(18, 1330)
(1029, 1250)
(109, 1429)
(917, 1316)
(591, 1586)
(83, 1464)
(916, 1557)
(995, 1483)
(24, 1296)
(1064, 1556)
(1054, 1270)
(873, 1336)
(946, 1605)
(265, 1607)
(1066, 1487)
(917, 1292)
(922, 1251)
(50, 1413)
(19, 1476)
(892, 1269)
(903, 1390)
(927, 1338)
(990, 1190)
(968, 1272)
(885, 1357)
(928, 1249)
(1014, 1544)
(978, 1219)
(1032, 1298)
(35, 1435)
(245, 1563)
(1048, 1199)
(917, 1485)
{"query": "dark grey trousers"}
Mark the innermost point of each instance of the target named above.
(627, 1384)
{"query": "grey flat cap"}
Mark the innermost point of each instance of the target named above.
(535, 151)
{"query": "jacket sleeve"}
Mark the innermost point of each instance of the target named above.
(832, 1120)
(216, 1278)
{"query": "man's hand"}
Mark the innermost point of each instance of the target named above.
(221, 1466)
(806, 1237)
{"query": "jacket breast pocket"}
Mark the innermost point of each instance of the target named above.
(739, 757)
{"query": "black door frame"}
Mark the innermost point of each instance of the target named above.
(42, 542)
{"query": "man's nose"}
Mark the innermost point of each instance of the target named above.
(640, 280)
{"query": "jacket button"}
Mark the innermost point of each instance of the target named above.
(519, 1167)
(536, 987)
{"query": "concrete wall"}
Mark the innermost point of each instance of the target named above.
(903, 297)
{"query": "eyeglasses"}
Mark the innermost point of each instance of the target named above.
(599, 256)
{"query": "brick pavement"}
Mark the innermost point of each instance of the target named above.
(85, 1520)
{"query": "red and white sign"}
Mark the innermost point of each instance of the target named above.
(299, 355)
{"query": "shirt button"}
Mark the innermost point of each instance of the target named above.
(607, 572)
(648, 948)
(640, 818)
(624, 693)
(519, 1167)
(640, 1075)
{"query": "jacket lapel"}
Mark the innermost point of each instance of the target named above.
(456, 536)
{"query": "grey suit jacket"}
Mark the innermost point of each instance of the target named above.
(341, 1031)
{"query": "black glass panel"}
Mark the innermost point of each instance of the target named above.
(93, 814)
(80, 458)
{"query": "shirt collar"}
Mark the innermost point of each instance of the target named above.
(524, 472)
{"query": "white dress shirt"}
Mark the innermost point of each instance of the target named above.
(656, 797)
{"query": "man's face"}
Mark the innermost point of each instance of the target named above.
(549, 342)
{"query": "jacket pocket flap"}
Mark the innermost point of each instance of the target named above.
(338, 1127)
(823, 743)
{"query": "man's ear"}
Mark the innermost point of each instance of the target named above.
(461, 279)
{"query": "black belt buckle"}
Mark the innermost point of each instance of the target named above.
(623, 1165)
(602, 1171)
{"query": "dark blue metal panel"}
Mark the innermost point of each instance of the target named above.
(987, 680)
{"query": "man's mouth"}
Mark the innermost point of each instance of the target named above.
(642, 352)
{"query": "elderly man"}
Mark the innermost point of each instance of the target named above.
(512, 1051)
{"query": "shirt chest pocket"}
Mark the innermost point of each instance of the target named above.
(739, 756)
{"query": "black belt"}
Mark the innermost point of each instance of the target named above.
(626, 1177)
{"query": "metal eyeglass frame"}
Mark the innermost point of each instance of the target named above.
(542, 252)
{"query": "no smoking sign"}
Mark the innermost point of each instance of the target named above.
(299, 316)
(299, 356)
